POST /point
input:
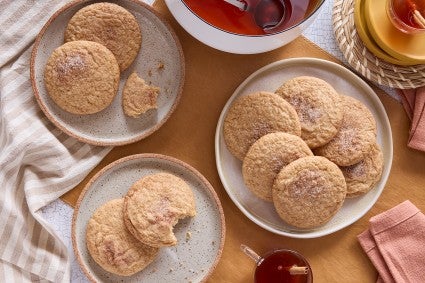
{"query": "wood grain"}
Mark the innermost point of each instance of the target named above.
(211, 78)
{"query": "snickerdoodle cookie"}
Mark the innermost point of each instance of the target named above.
(318, 106)
(82, 77)
(309, 191)
(138, 97)
(266, 157)
(255, 115)
(154, 204)
(355, 137)
(112, 246)
(110, 25)
(362, 176)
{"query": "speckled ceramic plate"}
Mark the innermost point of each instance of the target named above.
(269, 78)
(192, 259)
(110, 126)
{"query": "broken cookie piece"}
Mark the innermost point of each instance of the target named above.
(138, 96)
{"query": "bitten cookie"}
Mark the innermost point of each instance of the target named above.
(318, 106)
(266, 157)
(154, 204)
(255, 115)
(82, 77)
(112, 246)
(309, 191)
(356, 136)
(362, 176)
(110, 25)
(138, 97)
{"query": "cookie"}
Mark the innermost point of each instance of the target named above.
(252, 116)
(138, 97)
(112, 246)
(82, 77)
(309, 191)
(266, 157)
(154, 204)
(356, 136)
(318, 106)
(110, 25)
(363, 176)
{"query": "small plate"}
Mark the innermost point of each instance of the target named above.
(400, 45)
(269, 78)
(110, 126)
(193, 258)
(366, 37)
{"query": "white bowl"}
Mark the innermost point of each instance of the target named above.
(231, 42)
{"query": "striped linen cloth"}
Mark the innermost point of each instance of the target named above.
(38, 163)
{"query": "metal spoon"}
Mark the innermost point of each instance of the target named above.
(268, 14)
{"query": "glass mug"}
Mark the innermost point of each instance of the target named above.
(280, 266)
(407, 15)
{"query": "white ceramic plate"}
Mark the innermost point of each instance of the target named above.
(192, 259)
(111, 126)
(269, 78)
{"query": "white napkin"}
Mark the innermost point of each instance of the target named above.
(38, 163)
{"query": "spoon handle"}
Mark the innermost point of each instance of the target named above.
(250, 253)
(237, 3)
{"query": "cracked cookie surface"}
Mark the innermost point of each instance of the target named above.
(356, 136)
(318, 107)
(110, 25)
(266, 157)
(309, 191)
(82, 77)
(254, 115)
(363, 176)
(154, 204)
(112, 246)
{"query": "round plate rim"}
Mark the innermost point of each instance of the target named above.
(382, 42)
(374, 48)
(286, 62)
(95, 141)
(167, 158)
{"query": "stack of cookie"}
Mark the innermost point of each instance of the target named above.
(82, 75)
(124, 235)
(305, 148)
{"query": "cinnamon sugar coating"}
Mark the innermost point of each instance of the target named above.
(154, 204)
(318, 107)
(309, 191)
(82, 77)
(356, 136)
(363, 176)
(254, 115)
(112, 246)
(266, 157)
(110, 25)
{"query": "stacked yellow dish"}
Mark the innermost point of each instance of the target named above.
(383, 39)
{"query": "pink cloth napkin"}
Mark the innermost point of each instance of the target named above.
(414, 103)
(395, 242)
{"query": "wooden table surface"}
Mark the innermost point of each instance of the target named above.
(211, 78)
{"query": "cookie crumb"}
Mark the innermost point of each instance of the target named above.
(188, 235)
(161, 66)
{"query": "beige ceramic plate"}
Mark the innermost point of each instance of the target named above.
(269, 78)
(405, 47)
(192, 259)
(110, 126)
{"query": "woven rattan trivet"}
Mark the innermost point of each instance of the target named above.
(365, 62)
